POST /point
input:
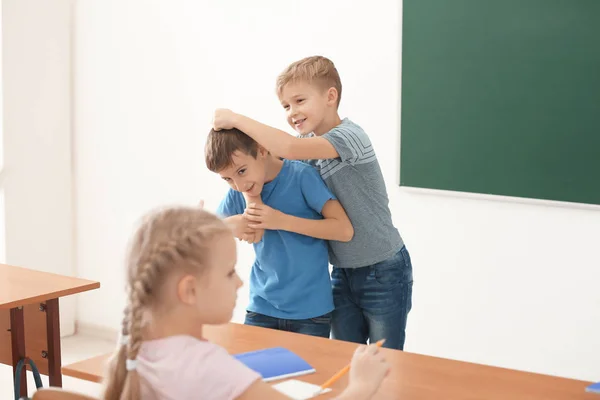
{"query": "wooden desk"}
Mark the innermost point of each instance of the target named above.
(30, 298)
(413, 376)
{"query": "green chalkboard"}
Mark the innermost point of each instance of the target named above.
(502, 97)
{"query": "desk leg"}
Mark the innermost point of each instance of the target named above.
(53, 334)
(17, 338)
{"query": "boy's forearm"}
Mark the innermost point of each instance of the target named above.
(258, 233)
(252, 199)
(328, 229)
(276, 141)
(234, 219)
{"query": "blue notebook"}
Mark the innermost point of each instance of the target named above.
(275, 363)
(595, 388)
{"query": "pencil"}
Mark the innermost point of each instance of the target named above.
(344, 371)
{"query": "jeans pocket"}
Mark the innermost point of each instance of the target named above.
(395, 270)
(388, 275)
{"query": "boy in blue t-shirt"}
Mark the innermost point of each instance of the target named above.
(290, 287)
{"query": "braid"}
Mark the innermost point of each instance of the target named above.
(117, 372)
(140, 291)
(125, 327)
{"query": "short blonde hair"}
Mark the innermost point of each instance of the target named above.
(316, 69)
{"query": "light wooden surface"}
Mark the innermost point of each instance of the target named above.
(58, 394)
(22, 286)
(413, 376)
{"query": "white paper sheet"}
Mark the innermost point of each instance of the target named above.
(299, 390)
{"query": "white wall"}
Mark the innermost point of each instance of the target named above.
(2, 210)
(36, 75)
(496, 282)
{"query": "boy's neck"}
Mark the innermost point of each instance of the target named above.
(328, 123)
(273, 167)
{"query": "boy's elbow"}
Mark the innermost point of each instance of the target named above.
(347, 233)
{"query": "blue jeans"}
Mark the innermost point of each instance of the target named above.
(373, 302)
(318, 326)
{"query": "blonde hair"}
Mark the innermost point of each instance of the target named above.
(316, 69)
(168, 240)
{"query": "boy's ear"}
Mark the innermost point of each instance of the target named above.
(332, 96)
(262, 151)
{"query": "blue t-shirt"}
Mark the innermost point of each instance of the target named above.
(290, 276)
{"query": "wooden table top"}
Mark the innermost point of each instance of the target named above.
(22, 286)
(413, 376)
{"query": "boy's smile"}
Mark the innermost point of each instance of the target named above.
(298, 123)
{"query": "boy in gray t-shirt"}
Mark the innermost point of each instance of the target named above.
(372, 274)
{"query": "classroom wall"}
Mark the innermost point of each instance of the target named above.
(496, 281)
(2, 210)
(36, 124)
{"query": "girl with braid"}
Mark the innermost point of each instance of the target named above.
(180, 276)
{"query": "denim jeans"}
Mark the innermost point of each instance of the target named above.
(318, 326)
(373, 302)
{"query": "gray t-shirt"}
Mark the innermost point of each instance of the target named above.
(355, 179)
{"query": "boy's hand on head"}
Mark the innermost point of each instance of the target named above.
(223, 119)
(261, 216)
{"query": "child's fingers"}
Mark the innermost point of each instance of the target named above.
(256, 226)
(252, 211)
(254, 206)
(372, 349)
(254, 218)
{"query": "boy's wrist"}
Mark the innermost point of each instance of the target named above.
(235, 119)
(253, 199)
(285, 222)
